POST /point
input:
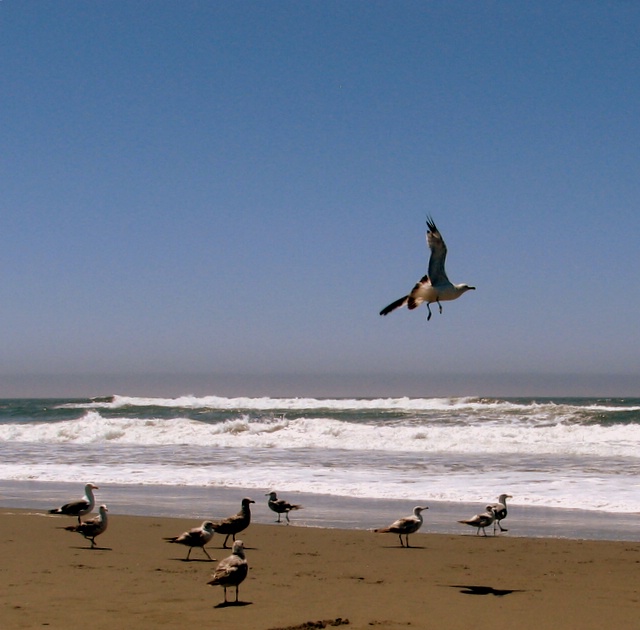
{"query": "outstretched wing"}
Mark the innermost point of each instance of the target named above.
(394, 305)
(436, 244)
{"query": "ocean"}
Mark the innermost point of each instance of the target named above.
(564, 460)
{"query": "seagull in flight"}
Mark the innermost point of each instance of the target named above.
(435, 286)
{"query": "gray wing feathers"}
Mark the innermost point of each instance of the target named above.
(436, 244)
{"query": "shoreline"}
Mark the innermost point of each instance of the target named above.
(323, 511)
(50, 577)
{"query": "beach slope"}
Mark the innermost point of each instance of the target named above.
(355, 579)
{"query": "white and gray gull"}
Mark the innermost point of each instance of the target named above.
(405, 526)
(93, 527)
(196, 537)
(81, 506)
(500, 511)
(480, 521)
(435, 286)
(231, 571)
(280, 506)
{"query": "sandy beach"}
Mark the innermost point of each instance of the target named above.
(298, 575)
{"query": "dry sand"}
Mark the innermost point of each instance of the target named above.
(353, 579)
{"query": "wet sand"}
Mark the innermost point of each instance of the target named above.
(352, 578)
(324, 511)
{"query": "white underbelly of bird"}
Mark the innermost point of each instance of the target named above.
(439, 294)
(430, 294)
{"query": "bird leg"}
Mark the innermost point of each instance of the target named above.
(439, 306)
(429, 309)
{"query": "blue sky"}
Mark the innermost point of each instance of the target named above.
(219, 197)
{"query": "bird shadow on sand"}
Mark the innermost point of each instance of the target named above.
(398, 547)
(93, 548)
(232, 604)
(474, 589)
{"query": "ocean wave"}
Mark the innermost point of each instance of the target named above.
(406, 404)
(272, 404)
(320, 432)
(561, 452)
(577, 490)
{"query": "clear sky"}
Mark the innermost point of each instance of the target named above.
(219, 197)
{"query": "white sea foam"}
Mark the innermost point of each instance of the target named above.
(562, 453)
(573, 490)
(443, 409)
(618, 440)
(267, 403)
(346, 404)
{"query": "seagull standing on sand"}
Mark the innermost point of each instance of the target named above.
(280, 506)
(481, 520)
(500, 511)
(93, 527)
(81, 506)
(405, 526)
(196, 537)
(232, 570)
(236, 523)
(435, 286)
